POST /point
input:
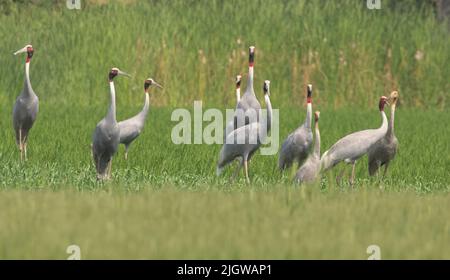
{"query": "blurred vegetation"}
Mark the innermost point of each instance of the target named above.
(351, 54)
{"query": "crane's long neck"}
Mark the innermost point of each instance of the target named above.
(308, 114)
(269, 112)
(238, 94)
(250, 79)
(384, 123)
(112, 107)
(146, 108)
(390, 131)
(27, 82)
(317, 142)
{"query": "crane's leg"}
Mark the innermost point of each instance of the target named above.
(20, 144)
(246, 170)
(385, 168)
(236, 172)
(126, 152)
(25, 149)
(352, 179)
(341, 174)
(109, 169)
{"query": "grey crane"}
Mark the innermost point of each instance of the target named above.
(355, 145)
(297, 145)
(131, 128)
(105, 140)
(244, 141)
(385, 149)
(26, 107)
(230, 126)
(248, 107)
(308, 172)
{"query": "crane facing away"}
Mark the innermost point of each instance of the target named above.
(244, 141)
(385, 149)
(308, 172)
(355, 145)
(248, 107)
(131, 128)
(26, 107)
(105, 140)
(297, 145)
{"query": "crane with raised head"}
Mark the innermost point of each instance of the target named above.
(386, 148)
(244, 141)
(248, 107)
(131, 128)
(297, 145)
(355, 145)
(105, 139)
(26, 107)
(308, 172)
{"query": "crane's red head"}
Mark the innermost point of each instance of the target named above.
(150, 82)
(309, 93)
(238, 81)
(115, 72)
(28, 49)
(251, 56)
(383, 101)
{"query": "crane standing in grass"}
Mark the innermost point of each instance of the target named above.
(385, 149)
(244, 141)
(308, 172)
(26, 107)
(131, 128)
(107, 133)
(355, 145)
(248, 107)
(298, 143)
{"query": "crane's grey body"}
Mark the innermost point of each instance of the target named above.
(25, 112)
(297, 145)
(26, 107)
(131, 128)
(385, 149)
(244, 141)
(105, 140)
(353, 146)
(248, 108)
(105, 143)
(309, 171)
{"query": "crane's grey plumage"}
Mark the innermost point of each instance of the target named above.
(105, 140)
(297, 145)
(385, 149)
(248, 107)
(308, 172)
(131, 128)
(355, 145)
(230, 126)
(244, 141)
(26, 107)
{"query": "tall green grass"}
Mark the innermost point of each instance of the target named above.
(351, 54)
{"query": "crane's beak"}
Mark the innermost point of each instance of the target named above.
(158, 85)
(120, 72)
(21, 51)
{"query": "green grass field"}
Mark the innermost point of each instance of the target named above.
(165, 201)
